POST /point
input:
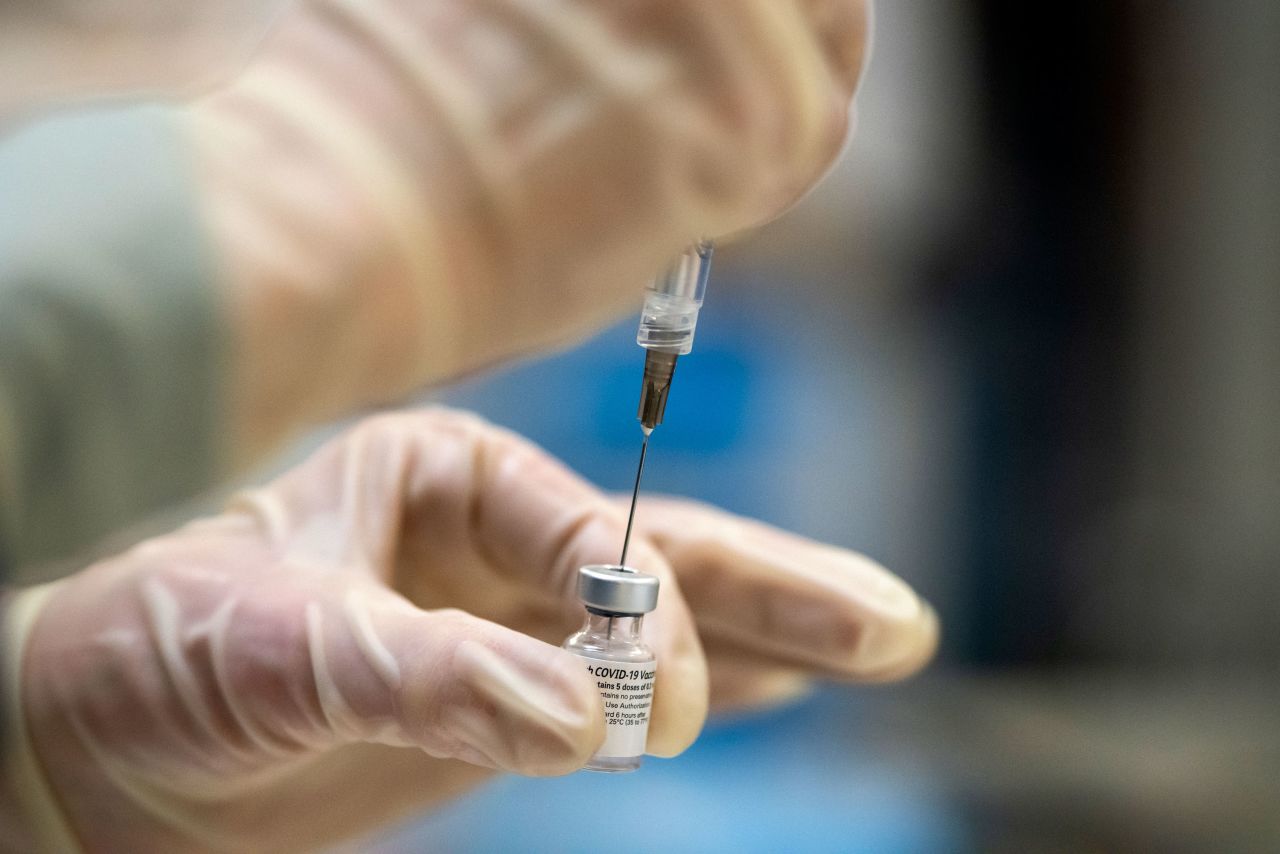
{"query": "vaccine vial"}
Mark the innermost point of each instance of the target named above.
(616, 599)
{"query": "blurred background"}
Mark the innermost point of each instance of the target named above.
(1023, 347)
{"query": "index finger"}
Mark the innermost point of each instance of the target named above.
(789, 600)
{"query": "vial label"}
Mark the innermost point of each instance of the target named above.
(627, 692)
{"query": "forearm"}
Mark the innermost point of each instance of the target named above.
(111, 351)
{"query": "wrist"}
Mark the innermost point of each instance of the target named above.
(320, 305)
(30, 817)
(332, 269)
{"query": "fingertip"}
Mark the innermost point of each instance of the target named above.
(529, 707)
(571, 753)
(682, 689)
(927, 633)
(680, 703)
(894, 647)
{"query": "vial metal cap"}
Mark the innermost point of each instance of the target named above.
(617, 589)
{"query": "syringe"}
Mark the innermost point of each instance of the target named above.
(667, 323)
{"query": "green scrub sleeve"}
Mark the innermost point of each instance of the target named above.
(111, 336)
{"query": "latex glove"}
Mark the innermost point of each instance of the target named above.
(63, 50)
(402, 191)
(295, 671)
(775, 611)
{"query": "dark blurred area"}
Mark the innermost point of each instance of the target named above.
(1117, 293)
(1023, 347)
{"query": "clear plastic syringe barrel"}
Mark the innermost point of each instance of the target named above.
(671, 303)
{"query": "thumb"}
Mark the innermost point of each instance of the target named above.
(199, 677)
(446, 682)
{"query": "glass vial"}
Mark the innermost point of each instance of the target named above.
(616, 599)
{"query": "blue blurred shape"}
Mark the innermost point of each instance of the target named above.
(791, 780)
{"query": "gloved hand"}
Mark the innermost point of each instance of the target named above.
(402, 191)
(376, 630)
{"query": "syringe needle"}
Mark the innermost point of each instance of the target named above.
(635, 493)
